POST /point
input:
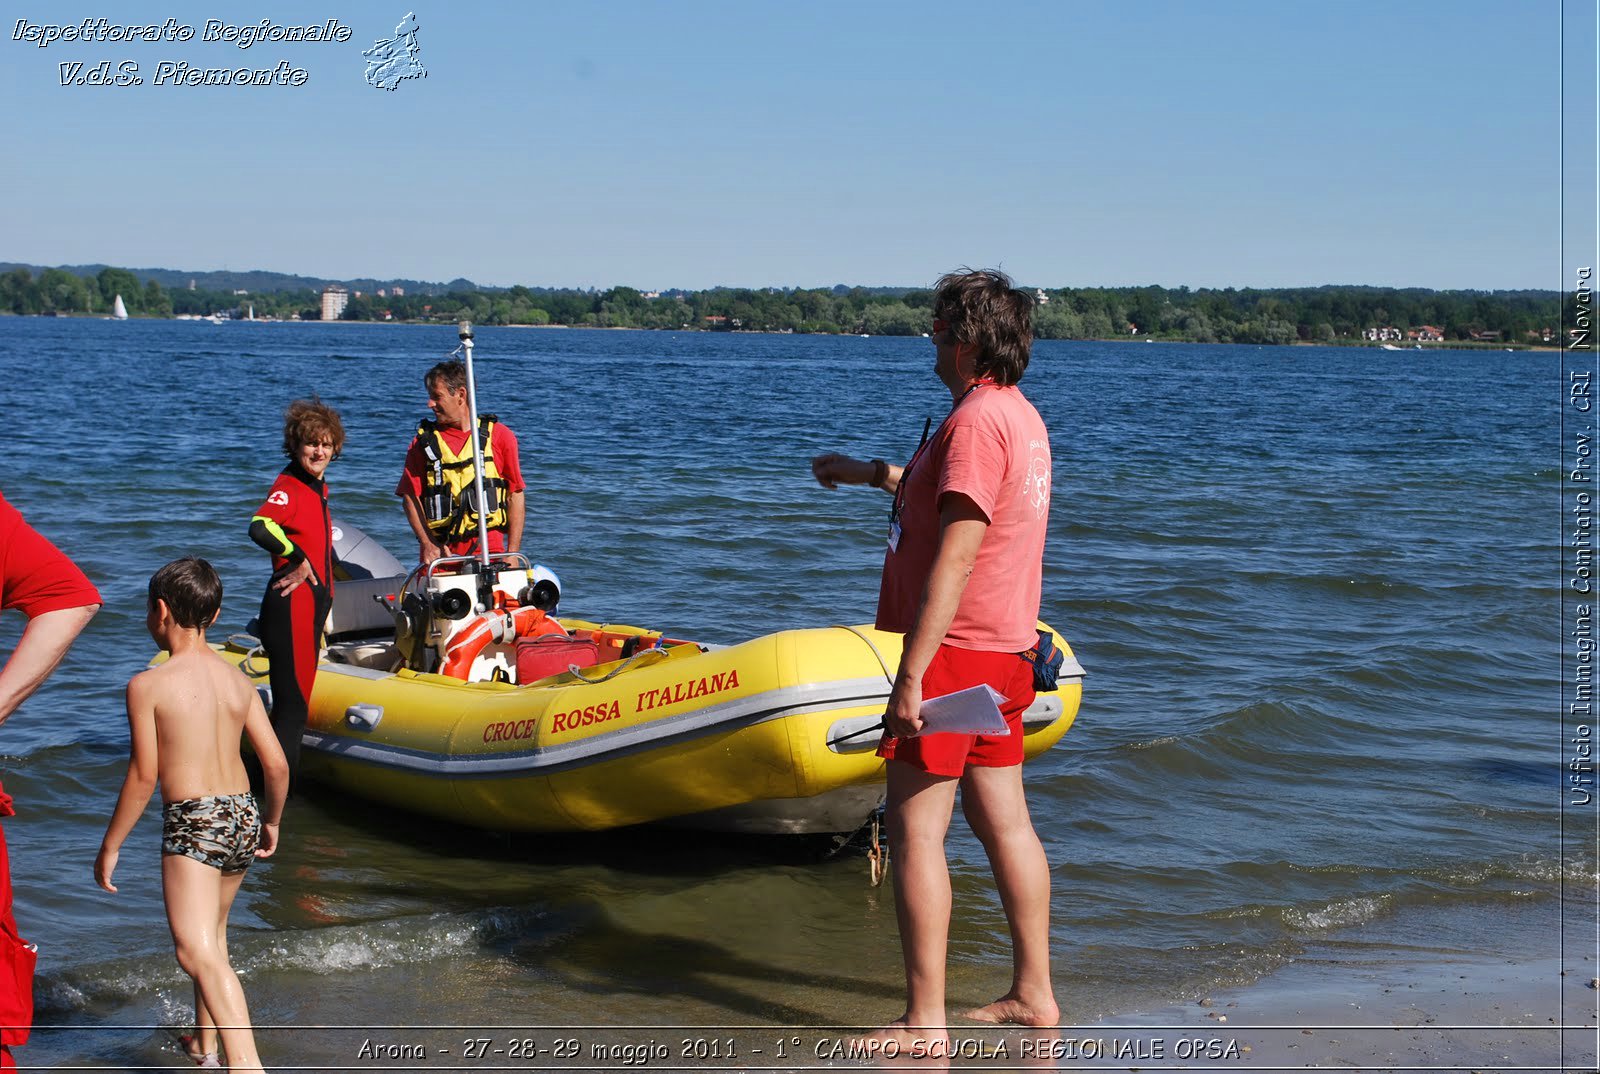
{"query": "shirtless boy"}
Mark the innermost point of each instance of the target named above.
(186, 717)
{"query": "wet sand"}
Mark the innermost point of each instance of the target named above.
(1399, 1010)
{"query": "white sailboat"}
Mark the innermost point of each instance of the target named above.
(119, 312)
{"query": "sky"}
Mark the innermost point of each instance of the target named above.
(694, 144)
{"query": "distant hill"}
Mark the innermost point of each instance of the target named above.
(259, 281)
(256, 281)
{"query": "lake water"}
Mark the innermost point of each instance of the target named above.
(1314, 590)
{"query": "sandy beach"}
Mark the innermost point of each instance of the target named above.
(1488, 992)
(1369, 1002)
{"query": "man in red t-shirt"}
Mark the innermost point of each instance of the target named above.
(44, 585)
(961, 580)
(437, 486)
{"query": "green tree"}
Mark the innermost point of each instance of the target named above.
(62, 292)
(156, 303)
(18, 293)
(1057, 321)
(115, 281)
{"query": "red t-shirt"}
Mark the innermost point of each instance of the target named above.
(502, 444)
(993, 448)
(35, 576)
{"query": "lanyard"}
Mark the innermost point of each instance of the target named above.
(905, 474)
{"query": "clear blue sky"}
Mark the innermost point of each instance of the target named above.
(698, 143)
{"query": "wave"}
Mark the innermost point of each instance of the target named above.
(366, 947)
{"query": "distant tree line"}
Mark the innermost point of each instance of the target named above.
(59, 291)
(1247, 315)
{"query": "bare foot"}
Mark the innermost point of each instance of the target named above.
(1017, 1011)
(197, 1053)
(901, 1040)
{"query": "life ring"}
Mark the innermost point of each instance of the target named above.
(499, 626)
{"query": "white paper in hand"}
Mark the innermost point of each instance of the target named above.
(973, 711)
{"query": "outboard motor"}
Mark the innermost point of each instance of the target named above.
(356, 556)
(366, 578)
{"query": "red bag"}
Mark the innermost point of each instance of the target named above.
(551, 654)
(17, 962)
(17, 959)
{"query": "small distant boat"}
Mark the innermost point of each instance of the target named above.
(1392, 347)
(119, 312)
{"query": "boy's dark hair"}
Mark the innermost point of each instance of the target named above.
(307, 421)
(192, 590)
(452, 374)
(984, 309)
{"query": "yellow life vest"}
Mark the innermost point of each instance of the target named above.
(448, 497)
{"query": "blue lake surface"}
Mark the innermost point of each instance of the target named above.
(1314, 590)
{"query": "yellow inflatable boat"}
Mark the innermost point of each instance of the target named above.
(774, 735)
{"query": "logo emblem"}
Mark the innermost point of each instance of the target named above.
(279, 497)
(1037, 489)
(390, 62)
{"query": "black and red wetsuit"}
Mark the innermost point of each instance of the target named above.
(295, 526)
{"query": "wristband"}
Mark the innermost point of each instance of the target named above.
(880, 473)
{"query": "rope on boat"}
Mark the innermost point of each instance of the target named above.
(252, 648)
(877, 856)
(877, 851)
(576, 672)
(882, 663)
(887, 675)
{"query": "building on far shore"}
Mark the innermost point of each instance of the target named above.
(334, 300)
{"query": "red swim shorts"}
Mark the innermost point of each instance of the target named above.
(949, 754)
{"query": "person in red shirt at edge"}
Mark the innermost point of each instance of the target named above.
(961, 580)
(43, 584)
(295, 527)
(436, 486)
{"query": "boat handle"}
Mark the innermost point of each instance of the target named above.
(855, 734)
(363, 717)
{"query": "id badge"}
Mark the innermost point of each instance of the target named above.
(894, 536)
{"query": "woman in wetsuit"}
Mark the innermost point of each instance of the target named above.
(295, 527)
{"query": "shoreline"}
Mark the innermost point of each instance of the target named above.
(1479, 989)
(1463, 345)
(1473, 989)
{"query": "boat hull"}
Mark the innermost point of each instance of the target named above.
(732, 739)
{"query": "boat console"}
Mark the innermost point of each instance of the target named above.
(442, 603)
(385, 618)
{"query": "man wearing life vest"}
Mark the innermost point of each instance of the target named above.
(437, 486)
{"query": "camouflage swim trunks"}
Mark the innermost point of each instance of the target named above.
(220, 830)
